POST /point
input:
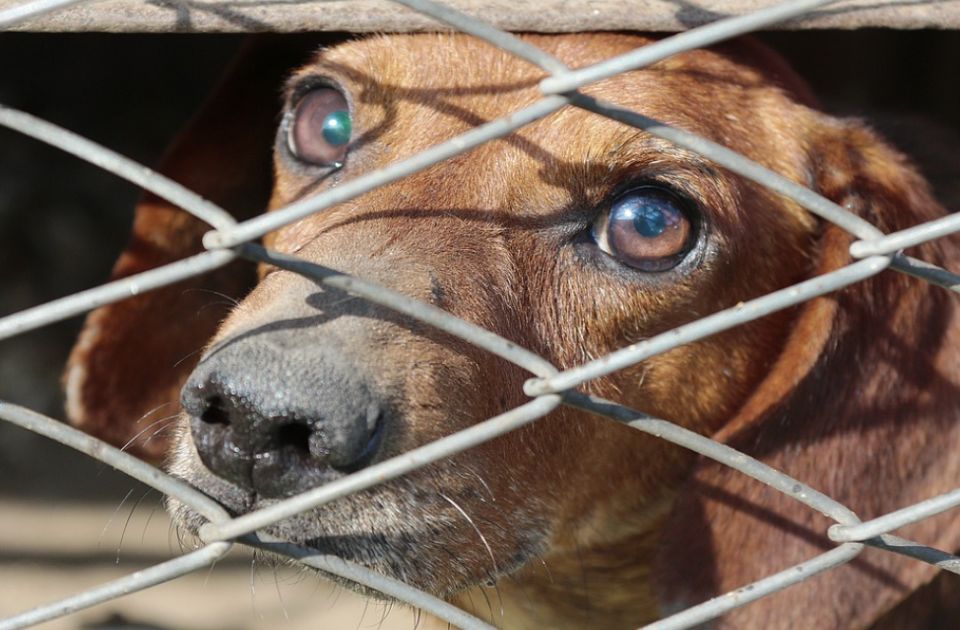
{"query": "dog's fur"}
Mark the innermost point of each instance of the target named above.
(575, 521)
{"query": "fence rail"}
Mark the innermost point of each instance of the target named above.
(548, 387)
(548, 16)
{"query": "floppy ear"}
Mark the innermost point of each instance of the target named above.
(125, 371)
(862, 404)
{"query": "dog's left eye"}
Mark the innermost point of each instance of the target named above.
(648, 228)
(319, 128)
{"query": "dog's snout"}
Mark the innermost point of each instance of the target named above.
(277, 420)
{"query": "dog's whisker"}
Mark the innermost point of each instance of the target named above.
(126, 523)
(366, 606)
(146, 524)
(171, 534)
(253, 588)
(187, 356)
(209, 573)
(486, 599)
(387, 609)
(145, 429)
(473, 605)
(546, 566)
(469, 470)
(160, 431)
(496, 571)
(483, 539)
(106, 526)
(152, 411)
(276, 584)
(210, 305)
(230, 300)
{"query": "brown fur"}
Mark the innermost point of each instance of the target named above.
(587, 521)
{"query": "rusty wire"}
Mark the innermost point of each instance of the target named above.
(548, 387)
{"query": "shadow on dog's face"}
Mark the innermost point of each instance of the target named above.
(573, 237)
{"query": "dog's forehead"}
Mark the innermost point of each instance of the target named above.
(418, 90)
(463, 81)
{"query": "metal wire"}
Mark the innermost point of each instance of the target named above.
(925, 271)
(742, 596)
(117, 164)
(705, 35)
(389, 586)
(548, 387)
(111, 292)
(895, 520)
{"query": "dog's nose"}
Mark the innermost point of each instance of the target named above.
(277, 417)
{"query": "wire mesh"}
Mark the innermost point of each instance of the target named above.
(548, 387)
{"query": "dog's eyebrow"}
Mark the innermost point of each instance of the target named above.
(314, 78)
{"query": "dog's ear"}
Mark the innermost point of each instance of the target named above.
(124, 374)
(862, 404)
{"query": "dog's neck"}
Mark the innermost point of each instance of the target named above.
(584, 584)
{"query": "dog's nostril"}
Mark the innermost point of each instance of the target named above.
(215, 412)
(368, 451)
(294, 435)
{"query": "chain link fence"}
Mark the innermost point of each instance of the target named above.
(548, 387)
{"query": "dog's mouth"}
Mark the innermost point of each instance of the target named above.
(442, 537)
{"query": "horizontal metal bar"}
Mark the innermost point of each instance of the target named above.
(904, 547)
(895, 241)
(138, 581)
(362, 575)
(925, 271)
(717, 606)
(544, 16)
(113, 162)
(257, 227)
(28, 10)
(127, 464)
(706, 326)
(699, 37)
(893, 520)
(110, 292)
(383, 471)
(427, 313)
(716, 451)
(487, 32)
(733, 161)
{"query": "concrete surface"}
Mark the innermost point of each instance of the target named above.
(49, 551)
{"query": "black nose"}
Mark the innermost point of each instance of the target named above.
(276, 416)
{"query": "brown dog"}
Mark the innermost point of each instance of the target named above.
(573, 237)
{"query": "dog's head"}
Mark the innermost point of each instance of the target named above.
(572, 237)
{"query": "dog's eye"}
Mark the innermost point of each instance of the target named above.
(319, 129)
(647, 228)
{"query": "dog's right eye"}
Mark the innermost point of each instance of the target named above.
(649, 228)
(318, 130)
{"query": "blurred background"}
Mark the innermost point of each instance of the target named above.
(68, 522)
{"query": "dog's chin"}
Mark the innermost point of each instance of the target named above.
(403, 529)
